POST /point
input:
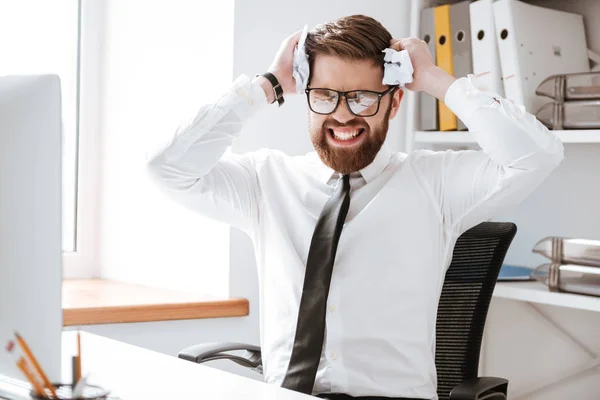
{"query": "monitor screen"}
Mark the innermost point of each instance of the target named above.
(30, 220)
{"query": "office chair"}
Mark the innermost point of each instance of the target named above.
(462, 310)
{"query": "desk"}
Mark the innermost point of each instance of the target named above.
(133, 373)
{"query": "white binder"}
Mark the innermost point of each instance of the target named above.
(535, 42)
(484, 47)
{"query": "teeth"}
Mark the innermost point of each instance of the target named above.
(345, 136)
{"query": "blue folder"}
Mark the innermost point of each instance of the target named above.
(514, 273)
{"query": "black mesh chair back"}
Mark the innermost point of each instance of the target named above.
(466, 295)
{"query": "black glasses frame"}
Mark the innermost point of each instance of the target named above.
(380, 95)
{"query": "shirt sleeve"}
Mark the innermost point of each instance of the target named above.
(517, 154)
(195, 169)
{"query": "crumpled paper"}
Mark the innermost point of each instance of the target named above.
(300, 67)
(398, 69)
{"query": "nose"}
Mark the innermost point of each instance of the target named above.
(342, 114)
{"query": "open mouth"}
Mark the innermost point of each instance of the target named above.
(345, 136)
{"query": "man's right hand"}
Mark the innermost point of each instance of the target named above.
(281, 67)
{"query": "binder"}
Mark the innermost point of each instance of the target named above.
(535, 42)
(443, 51)
(576, 114)
(460, 32)
(484, 45)
(567, 87)
(428, 113)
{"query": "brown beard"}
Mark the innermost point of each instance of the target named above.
(345, 161)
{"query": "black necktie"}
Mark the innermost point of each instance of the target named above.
(310, 329)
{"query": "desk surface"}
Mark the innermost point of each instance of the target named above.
(134, 373)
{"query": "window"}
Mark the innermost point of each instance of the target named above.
(122, 88)
(162, 59)
(41, 36)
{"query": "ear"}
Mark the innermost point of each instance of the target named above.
(396, 99)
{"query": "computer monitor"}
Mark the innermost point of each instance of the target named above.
(30, 219)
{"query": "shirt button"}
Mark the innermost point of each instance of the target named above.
(331, 308)
(333, 356)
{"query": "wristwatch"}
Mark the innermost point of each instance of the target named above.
(277, 89)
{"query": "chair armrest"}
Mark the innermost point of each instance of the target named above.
(204, 352)
(484, 388)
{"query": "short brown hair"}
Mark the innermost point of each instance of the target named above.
(355, 37)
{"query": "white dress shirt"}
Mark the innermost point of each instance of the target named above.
(406, 212)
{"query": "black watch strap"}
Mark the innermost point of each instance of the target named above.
(277, 89)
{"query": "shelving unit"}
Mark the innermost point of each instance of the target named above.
(564, 205)
(536, 292)
(415, 137)
(464, 137)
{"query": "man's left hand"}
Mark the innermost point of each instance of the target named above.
(427, 76)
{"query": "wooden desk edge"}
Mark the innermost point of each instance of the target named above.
(235, 307)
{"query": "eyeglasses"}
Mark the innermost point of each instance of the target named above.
(362, 103)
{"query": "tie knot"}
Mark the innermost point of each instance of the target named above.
(345, 181)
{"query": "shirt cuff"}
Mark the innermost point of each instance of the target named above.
(463, 98)
(244, 98)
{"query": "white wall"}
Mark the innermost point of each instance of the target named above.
(260, 26)
(536, 347)
(169, 337)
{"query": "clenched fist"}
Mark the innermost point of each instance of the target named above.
(427, 77)
(281, 67)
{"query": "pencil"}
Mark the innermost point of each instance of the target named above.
(22, 365)
(36, 364)
(78, 356)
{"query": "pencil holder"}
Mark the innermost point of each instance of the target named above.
(65, 392)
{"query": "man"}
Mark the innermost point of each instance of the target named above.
(374, 315)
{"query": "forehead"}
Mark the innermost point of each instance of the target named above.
(336, 73)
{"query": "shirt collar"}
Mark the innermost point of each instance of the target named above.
(368, 173)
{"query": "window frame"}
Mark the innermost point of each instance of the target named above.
(84, 261)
